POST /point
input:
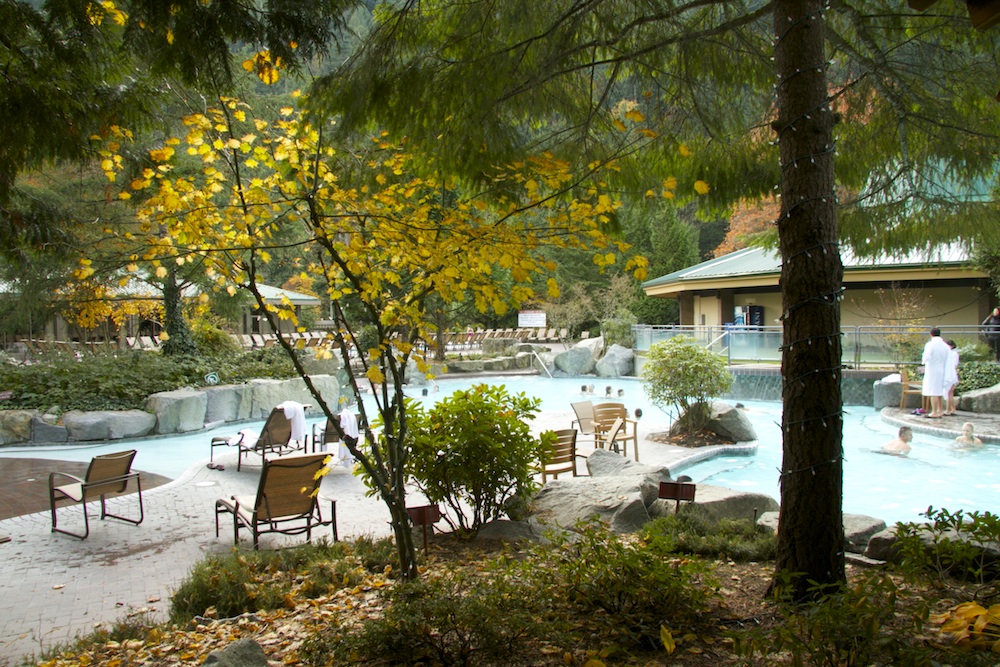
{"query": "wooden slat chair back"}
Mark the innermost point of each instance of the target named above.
(610, 438)
(910, 388)
(605, 415)
(677, 491)
(562, 457)
(107, 474)
(286, 502)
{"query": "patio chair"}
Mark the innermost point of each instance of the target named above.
(275, 439)
(108, 474)
(563, 456)
(584, 421)
(286, 502)
(605, 415)
(614, 439)
(911, 388)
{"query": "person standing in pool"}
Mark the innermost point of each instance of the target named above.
(967, 440)
(901, 445)
(935, 360)
(950, 379)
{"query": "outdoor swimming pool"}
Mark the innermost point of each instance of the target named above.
(888, 487)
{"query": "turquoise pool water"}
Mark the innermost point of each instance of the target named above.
(888, 487)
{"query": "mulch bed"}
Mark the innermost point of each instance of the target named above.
(691, 440)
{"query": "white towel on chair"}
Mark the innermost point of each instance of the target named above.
(349, 423)
(246, 437)
(296, 414)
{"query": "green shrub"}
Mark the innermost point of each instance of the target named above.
(241, 582)
(212, 340)
(453, 619)
(953, 545)
(123, 380)
(977, 375)
(473, 451)
(617, 330)
(733, 539)
(679, 373)
(633, 590)
(848, 626)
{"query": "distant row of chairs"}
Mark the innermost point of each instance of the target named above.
(472, 339)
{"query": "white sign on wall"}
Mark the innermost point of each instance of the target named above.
(531, 318)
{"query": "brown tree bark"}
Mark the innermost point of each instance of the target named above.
(810, 534)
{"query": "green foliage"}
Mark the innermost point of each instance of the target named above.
(973, 350)
(474, 452)
(632, 589)
(732, 539)
(211, 340)
(682, 374)
(453, 619)
(241, 582)
(617, 330)
(123, 380)
(953, 545)
(847, 626)
(977, 375)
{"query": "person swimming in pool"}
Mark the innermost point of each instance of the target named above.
(967, 440)
(901, 445)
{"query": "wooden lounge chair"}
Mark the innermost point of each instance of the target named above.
(911, 388)
(605, 415)
(274, 439)
(286, 502)
(563, 456)
(108, 474)
(614, 439)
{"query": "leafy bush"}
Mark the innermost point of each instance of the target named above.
(454, 619)
(637, 592)
(123, 380)
(691, 533)
(848, 626)
(211, 339)
(682, 374)
(617, 330)
(977, 375)
(953, 545)
(240, 582)
(473, 451)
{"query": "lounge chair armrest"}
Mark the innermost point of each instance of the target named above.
(53, 475)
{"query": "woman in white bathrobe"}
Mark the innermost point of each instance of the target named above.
(950, 378)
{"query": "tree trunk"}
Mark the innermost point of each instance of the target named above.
(179, 339)
(810, 533)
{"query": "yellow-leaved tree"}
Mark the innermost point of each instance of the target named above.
(382, 231)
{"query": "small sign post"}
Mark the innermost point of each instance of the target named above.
(423, 516)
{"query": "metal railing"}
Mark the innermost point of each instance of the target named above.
(862, 345)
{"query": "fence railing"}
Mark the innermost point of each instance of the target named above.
(862, 345)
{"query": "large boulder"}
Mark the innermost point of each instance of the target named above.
(887, 392)
(981, 400)
(616, 501)
(604, 463)
(858, 529)
(575, 361)
(616, 362)
(269, 393)
(241, 653)
(228, 403)
(882, 545)
(730, 422)
(44, 431)
(178, 411)
(15, 425)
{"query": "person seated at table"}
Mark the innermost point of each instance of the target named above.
(901, 445)
(968, 440)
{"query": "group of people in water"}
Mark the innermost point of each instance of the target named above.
(901, 445)
(588, 390)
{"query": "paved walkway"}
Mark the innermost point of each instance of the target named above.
(53, 587)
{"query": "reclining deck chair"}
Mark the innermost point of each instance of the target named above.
(274, 439)
(287, 500)
(584, 422)
(108, 474)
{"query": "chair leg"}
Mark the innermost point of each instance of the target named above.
(106, 514)
(86, 520)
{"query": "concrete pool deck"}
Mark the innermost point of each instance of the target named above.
(53, 587)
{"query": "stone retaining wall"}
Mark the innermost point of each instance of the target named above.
(178, 411)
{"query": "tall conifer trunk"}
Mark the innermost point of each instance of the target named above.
(810, 534)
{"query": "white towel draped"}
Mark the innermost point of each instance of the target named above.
(348, 423)
(296, 414)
